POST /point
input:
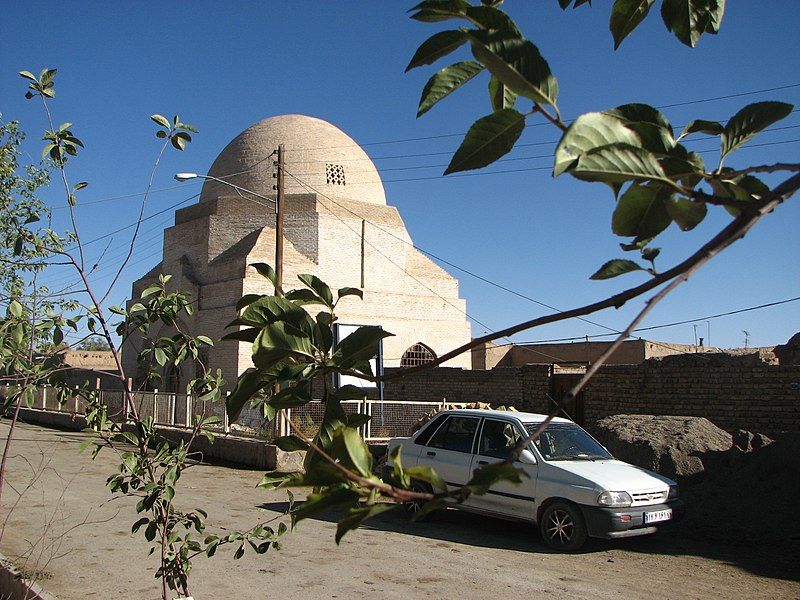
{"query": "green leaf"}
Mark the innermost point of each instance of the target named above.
(432, 11)
(689, 19)
(488, 475)
(517, 63)
(320, 287)
(489, 17)
(702, 126)
(316, 503)
(488, 139)
(626, 16)
(349, 448)
(641, 212)
(500, 95)
(304, 296)
(616, 267)
(278, 341)
(686, 213)
(350, 291)
(290, 443)
(249, 382)
(428, 475)
(650, 254)
(588, 132)
(291, 397)
(355, 516)
(243, 335)
(15, 308)
(746, 123)
(247, 300)
(161, 356)
(359, 346)
(269, 309)
(160, 120)
(446, 81)
(28, 75)
(274, 480)
(178, 143)
(649, 123)
(618, 164)
(435, 47)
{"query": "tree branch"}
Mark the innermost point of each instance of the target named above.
(732, 232)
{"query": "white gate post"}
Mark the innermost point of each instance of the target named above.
(226, 426)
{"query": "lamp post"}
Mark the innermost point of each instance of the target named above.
(279, 203)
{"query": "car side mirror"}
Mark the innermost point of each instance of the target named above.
(527, 457)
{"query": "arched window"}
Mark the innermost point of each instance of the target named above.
(418, 354)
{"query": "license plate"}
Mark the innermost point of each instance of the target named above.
(659, 515)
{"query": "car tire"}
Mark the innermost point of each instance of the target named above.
(563, 527)
(412, 507)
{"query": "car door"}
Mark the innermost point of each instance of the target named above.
(449, 450)
(497, 439)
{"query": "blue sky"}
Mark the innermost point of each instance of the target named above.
(225, 66)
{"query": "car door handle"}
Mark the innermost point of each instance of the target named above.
(483, 462)
(431, 453)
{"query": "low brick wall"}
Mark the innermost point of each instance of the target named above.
(734, 392)
(524, 387)
(229, 448)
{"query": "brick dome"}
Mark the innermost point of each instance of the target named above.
(317, 154)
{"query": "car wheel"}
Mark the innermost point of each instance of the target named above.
(562, 526)
(412, 507)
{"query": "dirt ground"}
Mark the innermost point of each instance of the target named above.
(89, 552)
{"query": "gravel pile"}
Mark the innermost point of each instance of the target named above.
(739, 489)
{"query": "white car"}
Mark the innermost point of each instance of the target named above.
(574, 488)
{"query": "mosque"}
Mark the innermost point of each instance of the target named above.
(337, 226)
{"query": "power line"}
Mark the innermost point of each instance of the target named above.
(665, 325)
(122, 197)
(449, 135)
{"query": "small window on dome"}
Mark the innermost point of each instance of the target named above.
(334, 174)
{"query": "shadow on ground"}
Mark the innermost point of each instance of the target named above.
(460, 527)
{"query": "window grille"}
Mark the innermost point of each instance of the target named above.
(334, 174)
(418, 354)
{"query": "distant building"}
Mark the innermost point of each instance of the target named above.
(338, 226)
(631, 352)
(95, 367)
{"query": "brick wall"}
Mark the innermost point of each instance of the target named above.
(523, 387)
(734, 392)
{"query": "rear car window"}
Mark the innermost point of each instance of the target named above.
(429, 430)
(457, 434)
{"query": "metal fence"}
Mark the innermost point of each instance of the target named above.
(388, 418)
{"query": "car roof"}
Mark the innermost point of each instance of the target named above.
(525, 417)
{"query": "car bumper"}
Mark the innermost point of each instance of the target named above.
(613, 523)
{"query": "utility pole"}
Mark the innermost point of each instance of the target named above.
(279, 208)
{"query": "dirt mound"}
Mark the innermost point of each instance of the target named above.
(789, 353)
(748, 497)
(673, 446)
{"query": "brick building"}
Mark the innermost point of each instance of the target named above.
(338, 226)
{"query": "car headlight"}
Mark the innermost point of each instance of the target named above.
(614, 499)
(673, 493)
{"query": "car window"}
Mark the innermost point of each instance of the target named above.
(429, 429)
(498, 438)
(567, 441)
(456, 434)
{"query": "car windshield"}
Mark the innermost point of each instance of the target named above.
(566, 441)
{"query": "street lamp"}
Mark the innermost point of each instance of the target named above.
(278, 211)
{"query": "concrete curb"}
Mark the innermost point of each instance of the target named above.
(13, 586)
